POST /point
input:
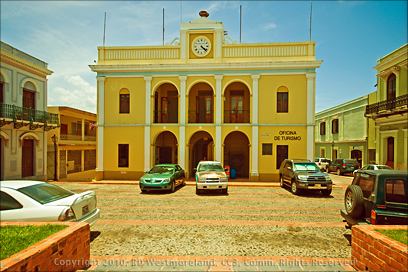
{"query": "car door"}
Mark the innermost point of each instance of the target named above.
(287, 172)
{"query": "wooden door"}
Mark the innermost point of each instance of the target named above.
(164, 110)
(281, 154)
(28, 99)
(27, 160)
(237, 109)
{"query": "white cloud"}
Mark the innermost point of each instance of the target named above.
(270, 26)
(80, 96)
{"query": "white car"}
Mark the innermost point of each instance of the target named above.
(211, 175)
(36, 201)
(372, 167)
(322, 163)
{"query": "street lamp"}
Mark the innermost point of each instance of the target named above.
(332, 150)
(55, 140)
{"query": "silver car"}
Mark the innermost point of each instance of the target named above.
(36, 201)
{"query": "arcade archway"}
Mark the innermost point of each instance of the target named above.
(236, 153)
(201, 147)
(165, 148)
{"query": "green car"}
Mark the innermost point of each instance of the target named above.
(163, 177)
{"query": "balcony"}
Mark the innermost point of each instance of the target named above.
(237, 116)
(200, 117)
(386, 108)
(165, 116)
(27, 116)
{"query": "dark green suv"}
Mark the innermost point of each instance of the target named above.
(304, 175)
(378, 197)
(342, 166)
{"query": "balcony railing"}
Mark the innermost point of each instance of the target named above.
(70, 137)
(90, 138)
(237, 116)
(165, 116)
(197, 117)
(388, 107)
(17, 114)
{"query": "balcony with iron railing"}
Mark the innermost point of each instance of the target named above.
(21, 116)
(165, 117)
(237, 116)
(73, 137)
(387, 107)
(195, 116)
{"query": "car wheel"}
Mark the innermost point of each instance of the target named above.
(294, 188)
(173, 187)
(184, 182)
(326, 192)
(327, 170)
(338, 172)
(198, 191)
(354, 201)
(281, 182)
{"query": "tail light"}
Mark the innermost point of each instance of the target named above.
(344, 165)
(373, 217)
(67, 214)
(320, 163)
(358, 166)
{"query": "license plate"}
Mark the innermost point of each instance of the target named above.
(213, 186)
(317, 185)
(85, 209)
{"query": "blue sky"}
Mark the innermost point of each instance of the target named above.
(350, 36)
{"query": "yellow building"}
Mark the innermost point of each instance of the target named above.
(248, 106)
(24, 120)
(75, 142)
(388, 107)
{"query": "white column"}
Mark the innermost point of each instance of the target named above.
(255, 128)
(218, 99)
(82, 129)
(310, 115)
(147, 148)
(255, 148)
(148, 99)
(218, 145)
(182, 147)
(255, 79)
(182, 105)
(101, 122)
(182, 134)
(397, 82)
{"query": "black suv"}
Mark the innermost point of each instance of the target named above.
(378, 197)
(342, 166)
(304, 175)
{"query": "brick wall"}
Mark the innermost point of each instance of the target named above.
(66, 250)
(376, 252)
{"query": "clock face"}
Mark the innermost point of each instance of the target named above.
(201, 47)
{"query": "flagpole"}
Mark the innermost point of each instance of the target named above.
(104, 30)
(310, 29)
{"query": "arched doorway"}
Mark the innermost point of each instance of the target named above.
(390, 152)
(166, 104)
(357, 155)
(165, 150)
(236, 153)
(201, 148)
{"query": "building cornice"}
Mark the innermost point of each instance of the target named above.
(272, 65)
(24, 64)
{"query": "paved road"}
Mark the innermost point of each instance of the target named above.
(250, 229)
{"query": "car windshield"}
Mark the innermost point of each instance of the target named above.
(162, 170)
(45, 193)
(309, 167)
(207, 167)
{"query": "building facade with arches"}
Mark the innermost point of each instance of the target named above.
(24, 120)
(204, 96)
(388, 107)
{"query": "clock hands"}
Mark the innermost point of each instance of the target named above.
(204, 48)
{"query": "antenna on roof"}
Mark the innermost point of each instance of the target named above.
(240, 22)
(163, 26)
(310, 29)
(104, 30)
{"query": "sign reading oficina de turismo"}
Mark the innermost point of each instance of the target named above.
(287, 135)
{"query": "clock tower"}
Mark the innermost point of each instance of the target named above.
(201, 39)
